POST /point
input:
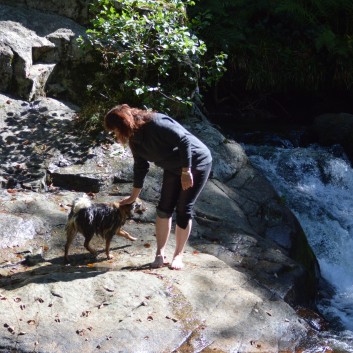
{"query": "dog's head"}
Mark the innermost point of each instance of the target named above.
(130, 209)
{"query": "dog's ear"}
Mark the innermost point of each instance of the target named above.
(127, 208)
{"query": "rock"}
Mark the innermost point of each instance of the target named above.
(249, 274)
(333, 129)
(39, 49)
(76, 10)
(94, 308)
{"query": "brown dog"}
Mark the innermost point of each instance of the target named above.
(102, 219)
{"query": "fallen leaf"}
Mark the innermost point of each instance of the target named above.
(80, 332)
(108, 289)
(85, 313)
(102, 305)
(90, 265)
(149, 318)
(147, 245)
(17, 300)
(45, 248)
(10, 329)
(31, 322)
(40, 300)
(11, 191)
(195, 252)
(171, 318)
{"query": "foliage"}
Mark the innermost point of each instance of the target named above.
(149, 54)
(280, 45)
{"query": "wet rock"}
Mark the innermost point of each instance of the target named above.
(331, 129)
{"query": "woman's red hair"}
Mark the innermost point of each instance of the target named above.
(126, 120)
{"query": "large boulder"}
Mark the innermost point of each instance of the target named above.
(39, 54)
(332, 128)
(251, 237)
(76, 10)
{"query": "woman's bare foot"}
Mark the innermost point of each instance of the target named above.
(159, 261)
(177, 263)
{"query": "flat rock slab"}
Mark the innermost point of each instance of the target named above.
(122, 305)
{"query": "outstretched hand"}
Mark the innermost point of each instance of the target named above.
(132, 198)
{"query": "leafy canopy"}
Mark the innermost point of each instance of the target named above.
(149, 53)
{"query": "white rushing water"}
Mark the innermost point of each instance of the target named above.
(317, 185)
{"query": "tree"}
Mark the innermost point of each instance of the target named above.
(149, 54)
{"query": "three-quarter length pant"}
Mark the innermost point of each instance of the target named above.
(173, 197)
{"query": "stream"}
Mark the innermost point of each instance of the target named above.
(317, 185)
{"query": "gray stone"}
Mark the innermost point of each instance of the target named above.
(77, 10)
(234, 294)
(34, 47)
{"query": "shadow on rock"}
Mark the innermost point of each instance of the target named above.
(34, 134)
(36, 269)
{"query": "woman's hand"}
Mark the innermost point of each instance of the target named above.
(132, 198)
(187, 180)
(127, 201)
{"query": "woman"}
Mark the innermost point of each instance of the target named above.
(186, 161)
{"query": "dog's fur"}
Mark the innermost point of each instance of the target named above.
(104, 219)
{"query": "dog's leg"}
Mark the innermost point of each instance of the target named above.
(108, 239)
(125, 234)
(71, 232)
(87, 246)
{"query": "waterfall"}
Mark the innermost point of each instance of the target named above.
(317, 185)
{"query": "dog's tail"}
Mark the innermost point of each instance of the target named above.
(79, 203)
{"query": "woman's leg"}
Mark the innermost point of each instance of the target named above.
(163, 226)
(184, 210)
(181, 237)
(171, 187)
